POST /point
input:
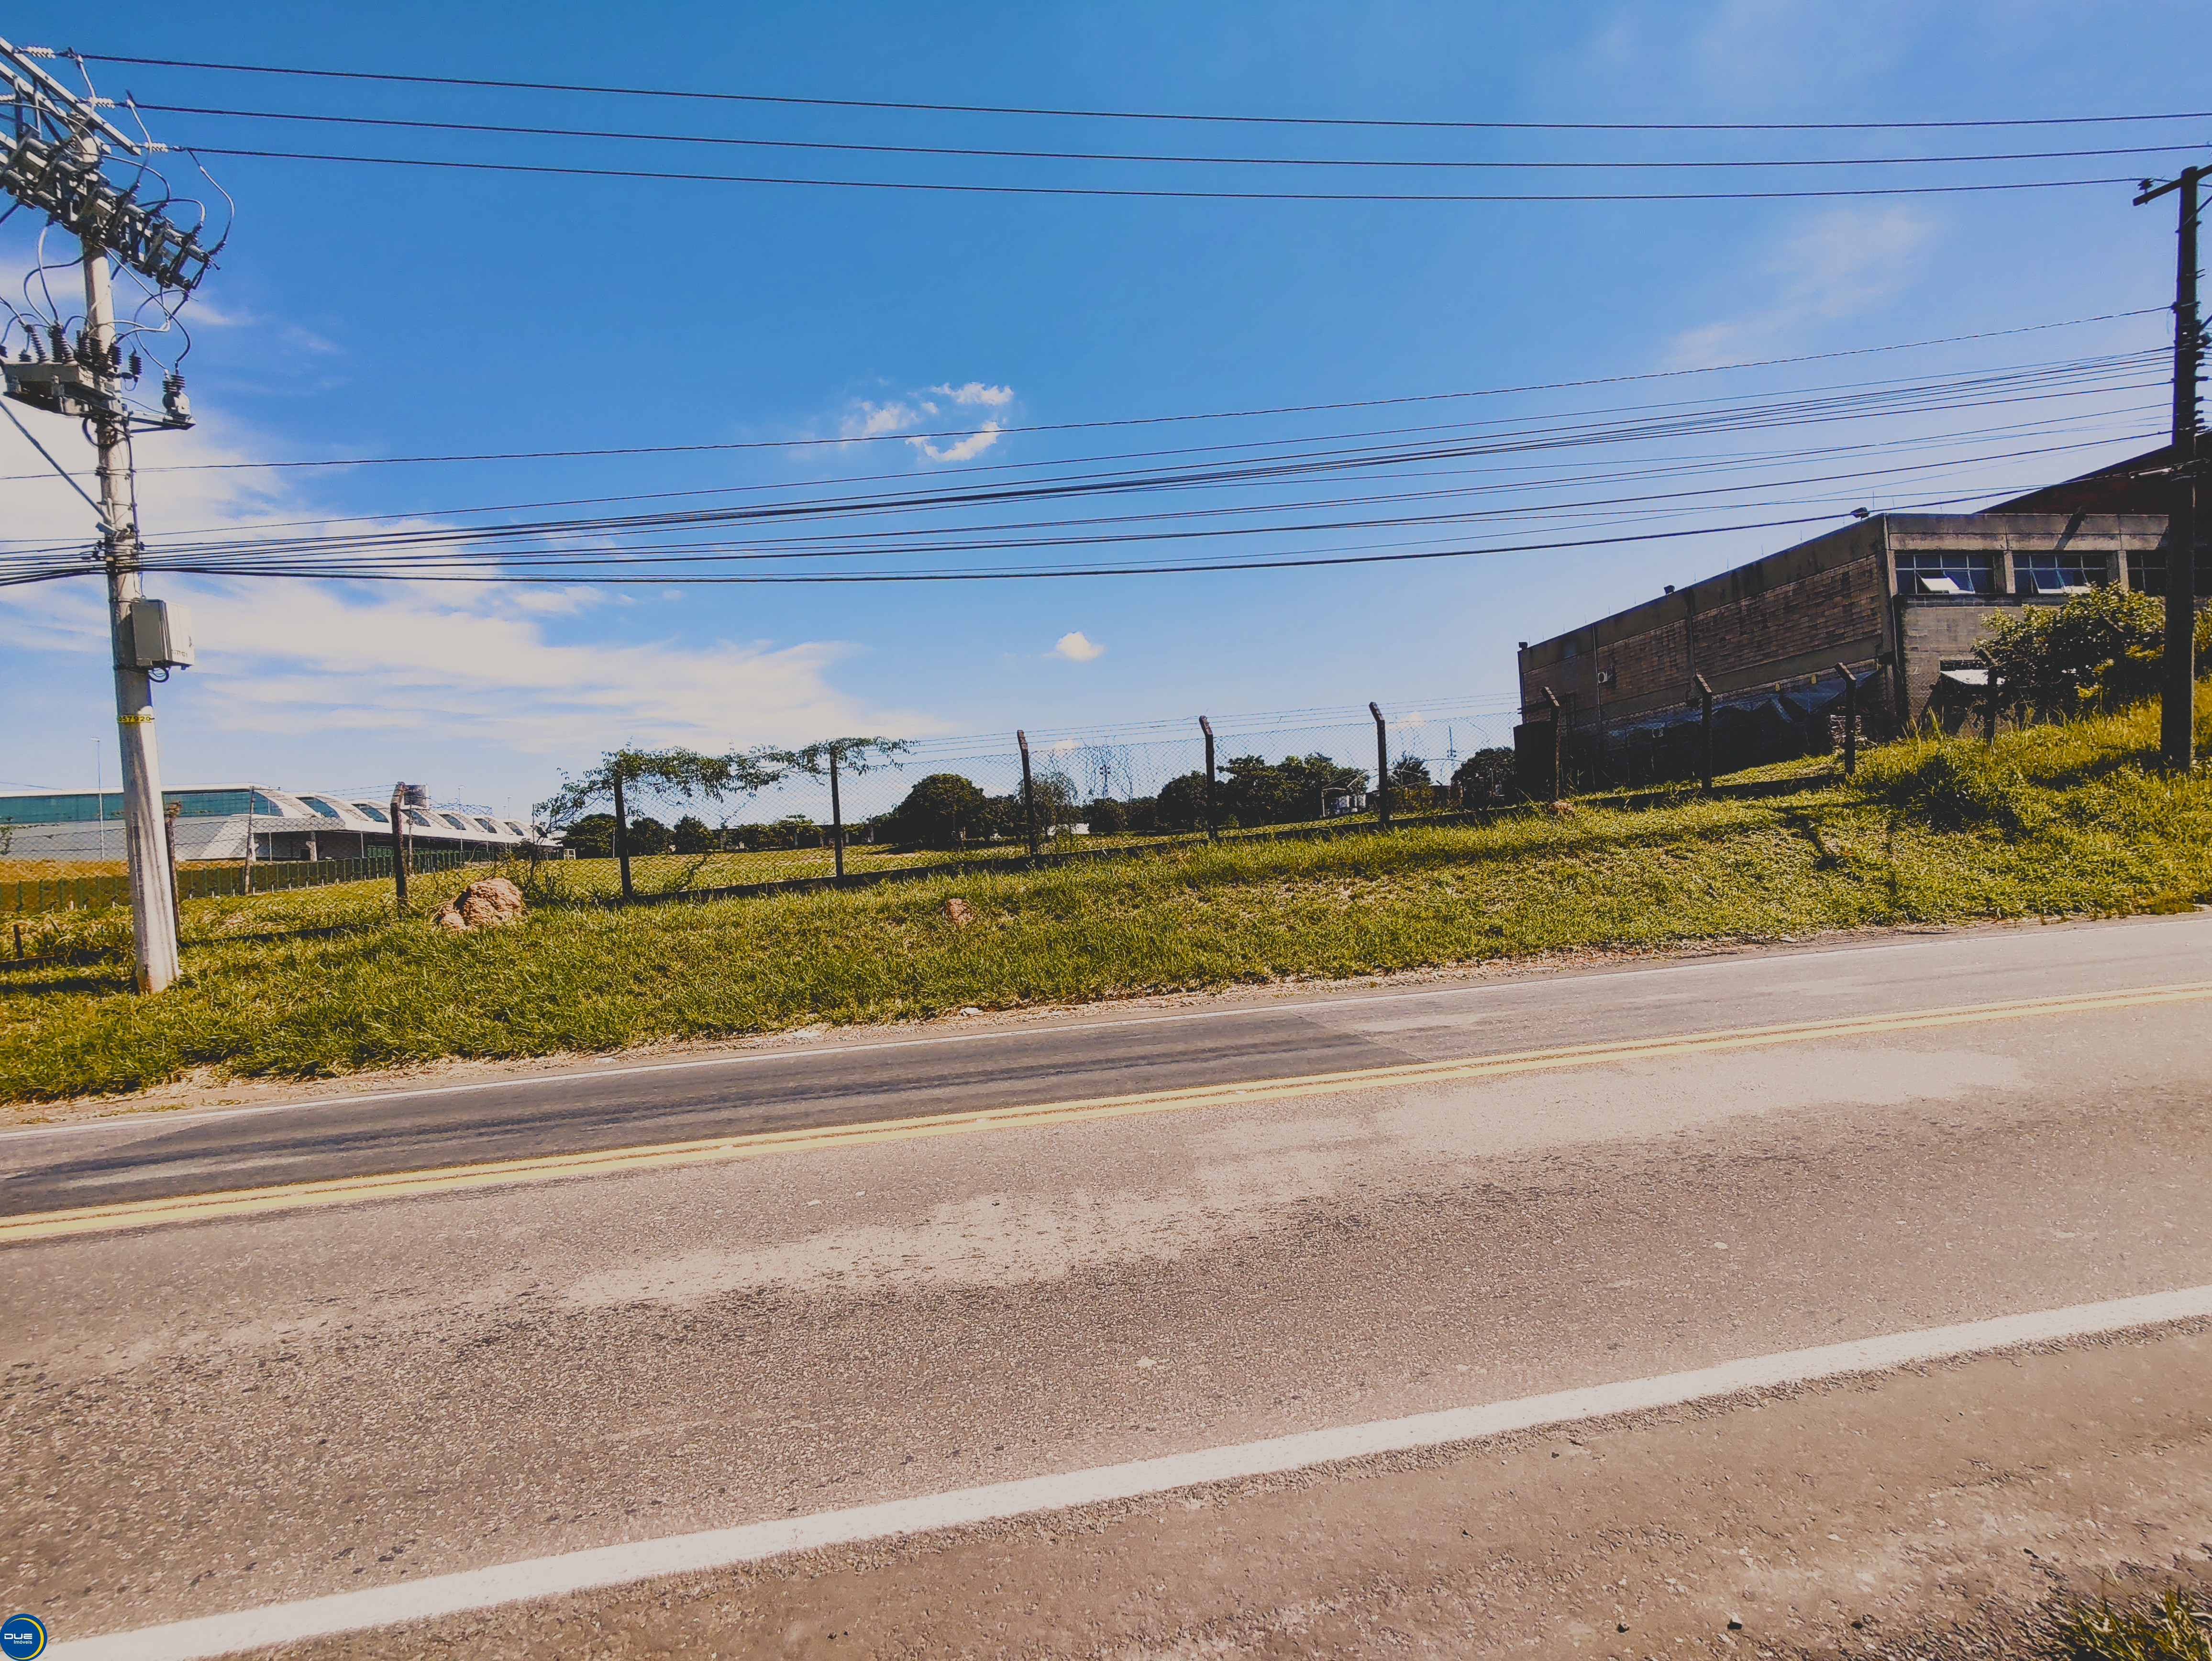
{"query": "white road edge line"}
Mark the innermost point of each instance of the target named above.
(755, 1542)
(185, 1119)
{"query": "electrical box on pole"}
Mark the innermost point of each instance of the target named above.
(54, 150)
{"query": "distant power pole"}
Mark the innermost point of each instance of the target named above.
(51, 161)
(2177, 700)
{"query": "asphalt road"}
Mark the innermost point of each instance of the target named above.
(218, 1416)
(876, 1080)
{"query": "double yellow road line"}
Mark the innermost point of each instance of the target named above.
(347, 1190)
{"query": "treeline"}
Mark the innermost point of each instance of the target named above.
(947, 810)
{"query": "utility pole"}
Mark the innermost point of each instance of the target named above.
(2178, 699)
(836, 818)
(51, 159)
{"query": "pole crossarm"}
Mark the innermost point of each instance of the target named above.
(53, 160)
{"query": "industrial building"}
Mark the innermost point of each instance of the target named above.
(225, 821)
(1897, 601)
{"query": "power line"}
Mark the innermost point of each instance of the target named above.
(1134, 193)
(445, 542)
(478, 82)
(1127, 420)
(973, 152)
(1299, 563)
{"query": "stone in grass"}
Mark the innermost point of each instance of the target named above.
(483, 904)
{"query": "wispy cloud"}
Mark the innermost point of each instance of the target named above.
(973, 445)
(943, 405)
(1844, 261)
(1077, 648)
(868, 420)
(975, 392)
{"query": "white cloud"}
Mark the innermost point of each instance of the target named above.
(871, 420)
(344, 666)
(477, 662)
(1844, 262)
(975, 392)
(1076, 648)
(967, 449)
(866, 419)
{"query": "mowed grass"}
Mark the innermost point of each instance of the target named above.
(316, 983)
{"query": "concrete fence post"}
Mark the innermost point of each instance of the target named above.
(1706, 733)
(1558, 746)
(1850, 720)
(1381, 769)
(1028, 791)
(1212, 821)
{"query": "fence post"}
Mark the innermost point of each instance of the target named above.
(1558, 744)
(1706, 733)
(1850, 720)
(169, 814)
(622, 833)
(1028, 791)
(1212, 833)
(837, 812)
(400, 848)
(1381, 769)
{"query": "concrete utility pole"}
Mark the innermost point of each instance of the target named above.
(51, 153)
(2177, 700)
(153, 902)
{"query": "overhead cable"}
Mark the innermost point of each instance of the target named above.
(482, 83)
(1129, 420)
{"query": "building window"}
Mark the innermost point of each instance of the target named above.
(323, 807)
(1946, 573)
(2057, 574)
(2146, 572)
(369, 810)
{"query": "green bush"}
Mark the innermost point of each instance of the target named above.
(2095, 651)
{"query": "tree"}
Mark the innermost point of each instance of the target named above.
(1106, 817)
(940, 811)
(1487, 778)
(1181, 805)
(648, 836)
(693, 836)
(1261, 792)
(1411, 773)
(661, 775)
(591, 837)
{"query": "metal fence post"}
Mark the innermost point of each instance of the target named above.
(1705, 732)
(1028, 791)
(837, 818)
(1212, 834)
(1381, 768)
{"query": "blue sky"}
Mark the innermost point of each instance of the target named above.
(367, 312)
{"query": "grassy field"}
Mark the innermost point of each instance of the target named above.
(319, 983)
